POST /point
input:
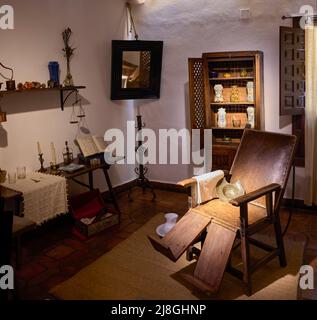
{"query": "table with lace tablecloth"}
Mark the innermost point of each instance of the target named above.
(44, 196)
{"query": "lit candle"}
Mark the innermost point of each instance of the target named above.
(53, 153)
(39, 148)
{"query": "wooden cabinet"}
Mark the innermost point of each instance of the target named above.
(234, 72)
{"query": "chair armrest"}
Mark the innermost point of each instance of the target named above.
(192, 181)
(255, 194)
(187, 182)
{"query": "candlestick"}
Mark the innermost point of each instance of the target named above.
(42, 169)
(53, 154)
(67, 154)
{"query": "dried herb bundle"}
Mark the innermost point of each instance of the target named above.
(69, 51)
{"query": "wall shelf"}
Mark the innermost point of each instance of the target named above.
(65, 92)
(231, 78)
(231, 103)
(227, 128)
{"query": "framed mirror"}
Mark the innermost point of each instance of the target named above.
(136, 69)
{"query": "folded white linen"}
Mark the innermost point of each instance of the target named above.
(206, 185)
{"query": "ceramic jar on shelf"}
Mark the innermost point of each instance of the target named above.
(218, 93)
(250, 91)
(234, 97)
(222, 121)
(251, 116)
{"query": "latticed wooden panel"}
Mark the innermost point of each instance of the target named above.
(196, 93)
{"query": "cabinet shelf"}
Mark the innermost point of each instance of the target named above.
(65, 92)
(227, 128)
(226, 144)
(231, 103)
(211, 69)
(231, 78)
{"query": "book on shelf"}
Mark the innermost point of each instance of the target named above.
(91, 145)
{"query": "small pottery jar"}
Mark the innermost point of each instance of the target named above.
(234, 97)
(218, 93)
(53, 68)
(250, 111)
(243, 73)
(214, 74)
(236, 123)
(222, 121)
(10, 85)
(250, 91)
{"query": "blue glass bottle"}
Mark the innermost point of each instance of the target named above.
(53, 68)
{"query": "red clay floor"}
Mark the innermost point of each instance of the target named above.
(51, 254)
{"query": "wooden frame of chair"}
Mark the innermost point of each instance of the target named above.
(245, 232)
(276, 151)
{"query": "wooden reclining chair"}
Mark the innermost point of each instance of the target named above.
(262, 164)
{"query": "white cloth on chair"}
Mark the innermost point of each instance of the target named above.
(44, 196)
(206, 185)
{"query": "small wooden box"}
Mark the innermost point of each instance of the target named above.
(106, 221)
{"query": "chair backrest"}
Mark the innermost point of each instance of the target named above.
(263, 158)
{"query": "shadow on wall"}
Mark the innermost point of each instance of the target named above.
(29, 101)
(285, 121)
(3, 137)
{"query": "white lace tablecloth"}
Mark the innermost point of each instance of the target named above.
(43, 200)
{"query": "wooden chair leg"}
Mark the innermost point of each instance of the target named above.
(279, 241)
(245, 249)
(245, 253)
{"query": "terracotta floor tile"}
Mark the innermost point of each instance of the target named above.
(47, 262)
(52, 254)
(29, 271)
(76, 244)
(42, 277)
(60, 252)
(76, 260)
(132, 227)
(54, 280)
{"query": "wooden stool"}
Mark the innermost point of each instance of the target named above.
(20, 226)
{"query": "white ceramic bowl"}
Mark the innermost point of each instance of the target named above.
(171, 219)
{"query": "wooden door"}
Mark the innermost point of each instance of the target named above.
(292, 83)
(292, 71)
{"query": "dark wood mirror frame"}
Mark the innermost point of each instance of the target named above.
(150, 92)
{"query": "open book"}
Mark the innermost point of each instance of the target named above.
(91, 145)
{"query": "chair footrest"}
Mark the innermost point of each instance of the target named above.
(186, 231)
(158, 246)
(215, 255)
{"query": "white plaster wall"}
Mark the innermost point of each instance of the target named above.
(28, 48)
(189, 28)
